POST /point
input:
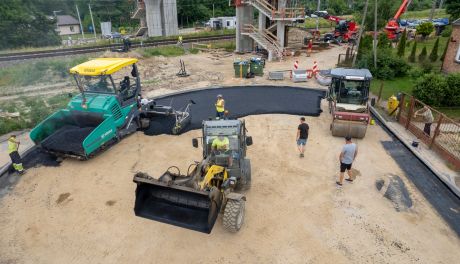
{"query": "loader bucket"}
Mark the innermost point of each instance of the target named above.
(176, 205)
(348, 128)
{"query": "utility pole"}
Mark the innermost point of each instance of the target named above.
(375, 34)
(433, 8)
(317, 18)
(361, 29)
(92, 21)
(79, 19)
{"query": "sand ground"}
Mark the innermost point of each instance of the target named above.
(82, 212)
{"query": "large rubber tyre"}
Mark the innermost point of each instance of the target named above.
(234, 215)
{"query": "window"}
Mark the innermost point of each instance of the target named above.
(95, 84)
(228, 23)
(72, 29)
(457, 57)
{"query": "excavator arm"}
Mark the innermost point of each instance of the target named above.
(392, 27)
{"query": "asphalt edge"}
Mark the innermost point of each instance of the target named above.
(438, 174)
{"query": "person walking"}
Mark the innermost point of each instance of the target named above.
(13, 147)
(427, 116)
(302, 136)
(220, 107)
(346, 158)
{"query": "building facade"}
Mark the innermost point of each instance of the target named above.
(67, 25)
(451, 62)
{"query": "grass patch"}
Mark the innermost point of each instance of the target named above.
(439, 13)
(203, 33)
(452, 112)
(229, 46)
(32, 111)
(44, 70)
(392, 87)
(167, 51)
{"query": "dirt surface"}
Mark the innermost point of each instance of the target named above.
(82, 212)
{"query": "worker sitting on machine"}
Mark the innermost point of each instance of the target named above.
(222, 144)
(124, 86)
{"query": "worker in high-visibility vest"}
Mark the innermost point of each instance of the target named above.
(13, 146)
(179, 41)
(220, 107)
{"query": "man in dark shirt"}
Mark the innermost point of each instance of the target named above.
(302, 136)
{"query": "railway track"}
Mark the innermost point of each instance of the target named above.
(74, 51)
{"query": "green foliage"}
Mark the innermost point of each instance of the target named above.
(32, 111)
(452, 97)
(23, 25)
(383, 41)
(422, 55)
(444, 52)
(402, 45)
(446, 32)
(190, 12)
(337, 7)
(365, 46)
(40, 71)
(438, 90)
(425, 29)
(434, 52)
(415, 72)
(167, 51)
(453, 8)
(388, 67)
(413, 52)
(430, 89)
(386, 10)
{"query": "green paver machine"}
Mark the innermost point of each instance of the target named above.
(107, 109)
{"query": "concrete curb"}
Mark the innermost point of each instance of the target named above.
(426, 162)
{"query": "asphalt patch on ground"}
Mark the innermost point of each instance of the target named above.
(446, 203)
(240, 101)
(393, 188)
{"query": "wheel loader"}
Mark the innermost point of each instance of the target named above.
(212, 185)
(348, 96)
(107, 109)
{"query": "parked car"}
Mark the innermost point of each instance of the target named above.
(113, 35)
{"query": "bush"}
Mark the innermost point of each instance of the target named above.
(422, 55)
(415, 72)
(426, 66)
(413, 52)
(389, 65)
(434, 52)
(438, 90)
(446, 32)
(425, 29)
(431, 89)
(402, 44)
(453, 90)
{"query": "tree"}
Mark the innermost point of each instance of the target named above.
(422, 55)
(425, 29)
(386, 10)
(413, 52)
(452, 96)
(337, 7)
(383, 41)
(434, 52)
(444, 53)
(402, 44)
(23, 25)
(453, 8)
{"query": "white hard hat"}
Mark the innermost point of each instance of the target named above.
(219, 95)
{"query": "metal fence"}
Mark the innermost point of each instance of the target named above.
(442, 135)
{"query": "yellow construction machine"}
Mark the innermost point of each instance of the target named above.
(194, 200)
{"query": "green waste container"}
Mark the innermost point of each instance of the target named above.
(241, 68)
(257, 66)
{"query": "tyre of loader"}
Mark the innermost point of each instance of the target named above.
(348, 128)
(178, 205)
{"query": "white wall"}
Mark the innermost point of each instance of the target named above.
(69, 29)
